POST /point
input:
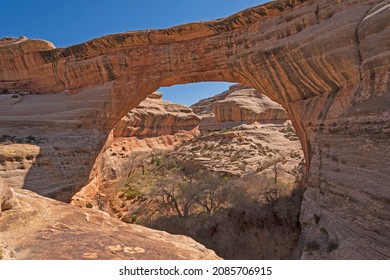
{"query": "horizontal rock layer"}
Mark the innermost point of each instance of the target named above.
(326, 62)
(154, 117)
(240, 104)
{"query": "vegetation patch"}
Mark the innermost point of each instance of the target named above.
(253, 217)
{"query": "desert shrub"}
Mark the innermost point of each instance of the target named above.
(254, 217)
(188, 189)
(132, 193)
(157, 161)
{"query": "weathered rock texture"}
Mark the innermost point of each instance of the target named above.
(240, 104)
(326, 62)
(124, 153)
(245, 150)
(7, 199)
(154, 126)
(43, 228)
(155, 117)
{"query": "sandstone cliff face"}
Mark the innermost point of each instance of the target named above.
(154, 117)
(325, 62)
(240, 104)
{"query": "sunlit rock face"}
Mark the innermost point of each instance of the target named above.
(154, 126)
(59, 231)
(240, 104)
(155, 117)
(325, 62)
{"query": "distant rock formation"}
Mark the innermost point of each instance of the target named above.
(325, 62)
(155, 117)
(60, 231)
(238, 105)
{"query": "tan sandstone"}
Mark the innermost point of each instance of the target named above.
(238, 105)
(154, 117)
(46, 229)
(326, 62)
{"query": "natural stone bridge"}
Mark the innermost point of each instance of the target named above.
(326, 62)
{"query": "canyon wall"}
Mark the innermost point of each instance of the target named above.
(155, 117)
(326, 62)
(238, 105)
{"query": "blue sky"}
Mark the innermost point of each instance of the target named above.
(69, 22)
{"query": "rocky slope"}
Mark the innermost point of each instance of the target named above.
(245, 150)
(41, 228)
(240, 104)
(325, 62)
(251, 161)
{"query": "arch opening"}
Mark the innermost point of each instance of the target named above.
(227, 175)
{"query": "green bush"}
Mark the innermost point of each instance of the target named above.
(157, 161)
(132, 193)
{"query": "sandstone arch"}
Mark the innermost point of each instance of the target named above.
(326, 62)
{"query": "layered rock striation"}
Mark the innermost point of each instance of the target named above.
(238, 105)
(325, 62)
(154, 126)
(155, 117)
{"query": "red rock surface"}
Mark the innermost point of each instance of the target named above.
(45, 229)
(154, 117)
(325, 62)
(240, 104)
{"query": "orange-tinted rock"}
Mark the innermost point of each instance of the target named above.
(245, 104)
(59, 231)
(113, 164)
(240, 104)
(7, 199)
(154, 117)
(153, 126)
(326, 62)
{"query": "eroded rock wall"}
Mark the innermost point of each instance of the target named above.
(238, 105)
(325, 62)
(155, 117)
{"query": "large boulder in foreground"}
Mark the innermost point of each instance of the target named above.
(42, 228)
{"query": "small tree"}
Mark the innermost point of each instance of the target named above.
(186, 185)
(169, 196)
(211, 192)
